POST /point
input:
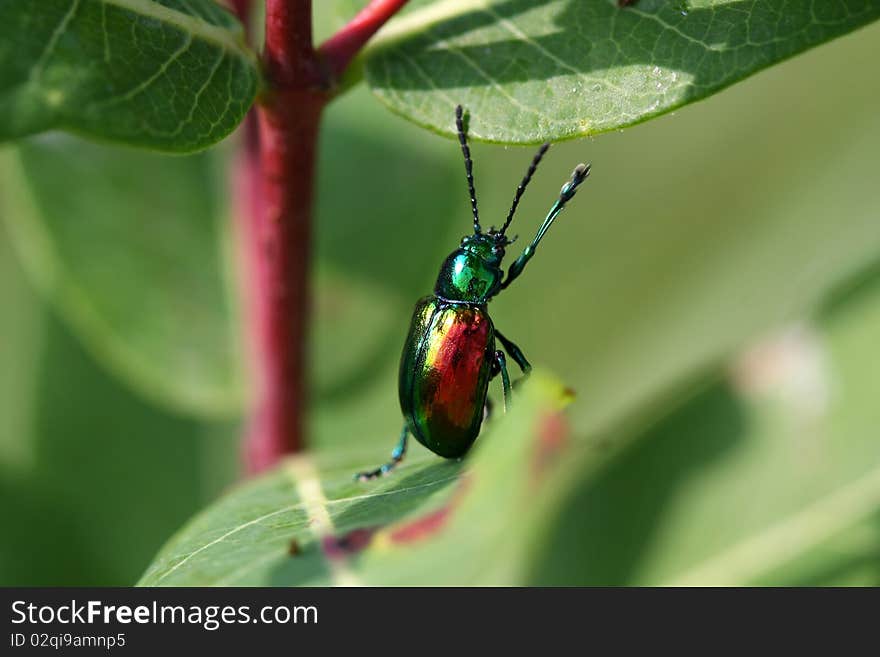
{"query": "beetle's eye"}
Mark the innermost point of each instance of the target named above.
(496, 250)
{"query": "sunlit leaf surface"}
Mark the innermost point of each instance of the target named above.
(171, 75)
(557, 69)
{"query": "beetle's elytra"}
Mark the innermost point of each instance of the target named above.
(449, 355)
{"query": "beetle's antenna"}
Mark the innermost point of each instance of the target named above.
(578, 176)
(468, 166)
(525, 181)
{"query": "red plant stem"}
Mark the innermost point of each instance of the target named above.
(275, 176)
(340, 49)
(288, 134)
(279, 163)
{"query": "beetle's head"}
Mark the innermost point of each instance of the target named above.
(487, 246)
(472, 272)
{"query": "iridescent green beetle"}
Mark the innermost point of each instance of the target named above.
(449, 356)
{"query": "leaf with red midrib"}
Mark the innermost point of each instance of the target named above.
(382, 532)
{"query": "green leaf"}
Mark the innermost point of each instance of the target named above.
(80, 456)
(530, 71)
(283, 528)
(770, 475)
(171, 75)
(21, 328)
(135, 265)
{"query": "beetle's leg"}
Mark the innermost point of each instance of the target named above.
(397, 455)
(498, 366)
(501, 363)
(489, 405)
(565, 195)
(515, 353)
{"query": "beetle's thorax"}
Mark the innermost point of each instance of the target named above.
(472, 273)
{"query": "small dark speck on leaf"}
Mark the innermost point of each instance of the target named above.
(625, 3)
(294, 550)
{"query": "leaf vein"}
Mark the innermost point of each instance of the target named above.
(442, 43)
(511, 27)
(198, 95)
(225, 37)
(40, 65)
(287, 509)
(780, 543)
(134, 91)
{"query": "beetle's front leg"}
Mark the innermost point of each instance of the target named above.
(515, 353)
(500, 366)
(397, 455)
(579, 175)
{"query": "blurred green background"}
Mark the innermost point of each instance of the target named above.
(712, 296)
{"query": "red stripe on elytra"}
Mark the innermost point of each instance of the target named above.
(458, 363)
